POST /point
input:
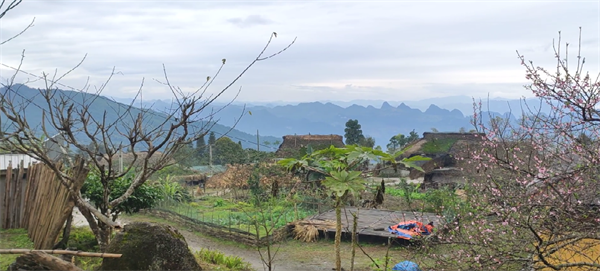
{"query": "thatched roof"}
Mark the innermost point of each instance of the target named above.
(292, 144)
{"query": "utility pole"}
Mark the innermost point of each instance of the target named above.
(121, 159)
(257, 141)
(210, 154)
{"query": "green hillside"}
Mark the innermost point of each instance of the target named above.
(31, 105)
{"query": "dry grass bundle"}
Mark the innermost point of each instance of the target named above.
(308, 230)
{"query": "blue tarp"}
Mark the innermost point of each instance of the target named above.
(406, 266)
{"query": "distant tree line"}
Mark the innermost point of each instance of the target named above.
(221, 151)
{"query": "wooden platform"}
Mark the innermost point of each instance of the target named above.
(374, 222)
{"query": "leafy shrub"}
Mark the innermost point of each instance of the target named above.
(172, 190)
(145, 196)
(442, 201)
(83, 239)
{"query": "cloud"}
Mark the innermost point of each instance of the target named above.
(383, 50)
(250, 21)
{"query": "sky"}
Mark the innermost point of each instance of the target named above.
(343, 50)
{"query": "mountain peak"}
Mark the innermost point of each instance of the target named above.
(386, 106)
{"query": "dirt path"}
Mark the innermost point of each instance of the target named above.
(292, 256)
(283, 261)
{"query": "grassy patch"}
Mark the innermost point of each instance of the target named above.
(12, 238)
(396, 192)
(438, 146)
(216, 260)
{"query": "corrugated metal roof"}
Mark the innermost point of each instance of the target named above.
(15, 159)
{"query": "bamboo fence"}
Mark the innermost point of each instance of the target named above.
(36, 200)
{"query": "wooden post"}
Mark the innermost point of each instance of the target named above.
(210, 154)
(257, 141)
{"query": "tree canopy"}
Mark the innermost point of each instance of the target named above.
(354, 134)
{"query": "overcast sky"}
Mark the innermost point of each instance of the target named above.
(345, 50)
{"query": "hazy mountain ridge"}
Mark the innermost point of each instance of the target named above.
(33, 113)
(381, 122)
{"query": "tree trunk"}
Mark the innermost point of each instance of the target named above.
(62, 244)
(338, 233)
(98, 227)
(53, 262)
(354, 241)
(105, 232)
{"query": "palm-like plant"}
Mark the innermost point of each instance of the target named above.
(343, 169)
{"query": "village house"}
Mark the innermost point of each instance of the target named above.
(296, 145)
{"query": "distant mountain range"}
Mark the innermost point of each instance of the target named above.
(380, 122)
(32, 104)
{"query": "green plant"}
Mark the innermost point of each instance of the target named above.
(12, 238)
(82, 238)
(172, 190)
(342, 168)
(218, 258)
(219, 203)
(408, 190)
(145, 196)
(441, 200)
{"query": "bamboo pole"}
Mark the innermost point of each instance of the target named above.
(8, 198)
(19, 195)
(62, 252)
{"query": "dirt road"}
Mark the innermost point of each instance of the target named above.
(283, 260)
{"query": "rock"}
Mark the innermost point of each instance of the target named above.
(148, 246)
(26, 262)
(38, 260)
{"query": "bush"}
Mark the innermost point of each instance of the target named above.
(442, 201)
(144, 197)
(83, 239)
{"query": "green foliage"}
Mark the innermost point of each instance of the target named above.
(255, 156)
(219, 203)
(12, 238)
(353, 133)
(438, 146)
(186, 156)
(396, 192)
(342, 182)
(408, 190)
(83, 239)
(444, 202)
(256, 190)
(367, 142)
(173, 190)
(226, 151)
(145, 196)
(399, 141)
(216, 257)
(212, 139)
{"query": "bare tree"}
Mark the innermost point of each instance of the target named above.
(80, 122)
